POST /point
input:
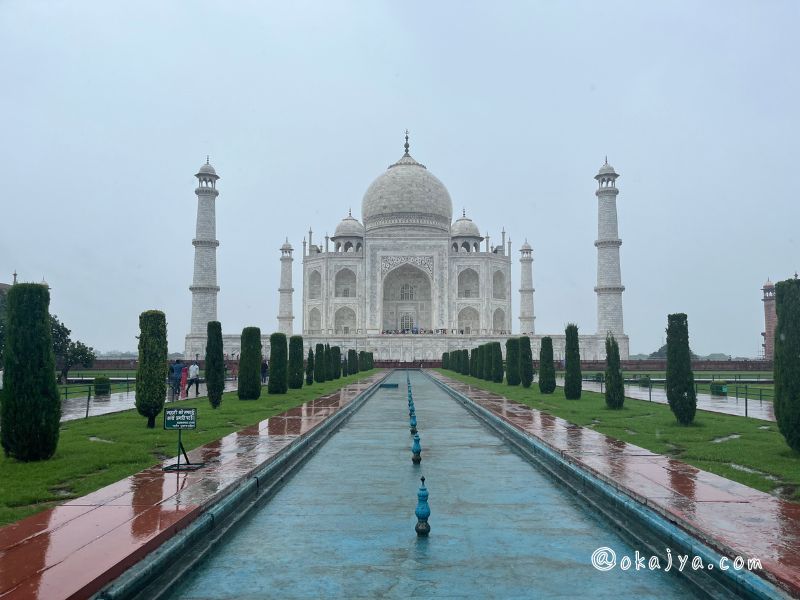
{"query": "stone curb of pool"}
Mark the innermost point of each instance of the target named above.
(591, 489)
(220, 514)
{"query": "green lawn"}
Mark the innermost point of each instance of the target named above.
(95, 452)
(761, 457)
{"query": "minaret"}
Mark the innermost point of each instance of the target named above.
(609, 279)
(526, 318)
(770, 319)
(204, 286)
(285, 316)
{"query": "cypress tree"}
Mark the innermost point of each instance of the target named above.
(479, 362)
(680, 379)
(455, 360)
(295, 378)
(371, 360)
(572, 355)
(336, 361)
(464, 362)
(615, 392)
(278, 368)
(215, 363)
(525, 361)
(31, 407)
(250, 364)
(473, 362)
(512, 361)
(328, 369)
(151, 375)
(310, 367)
(319, 364)
(547, 370)
(362, 361)
(786, 365)
(487, 362)
(345, 366)
(445, 360)
(497, 362)
(352, 361)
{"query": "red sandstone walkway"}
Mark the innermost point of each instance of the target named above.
(732, 518)
(755, 408)
(74, 549)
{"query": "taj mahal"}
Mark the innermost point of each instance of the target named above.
(407, 282)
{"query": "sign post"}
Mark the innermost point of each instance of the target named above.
(180, 419)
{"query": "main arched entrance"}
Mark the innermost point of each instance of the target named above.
(406, 300)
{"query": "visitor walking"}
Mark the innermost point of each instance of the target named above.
(264, 371)
(194, 378)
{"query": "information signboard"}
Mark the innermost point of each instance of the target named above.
(180, 418)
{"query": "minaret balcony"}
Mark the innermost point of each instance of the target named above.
(608, 243)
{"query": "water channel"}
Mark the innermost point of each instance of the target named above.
(343, 526)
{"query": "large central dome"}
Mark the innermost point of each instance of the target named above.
(407, 195)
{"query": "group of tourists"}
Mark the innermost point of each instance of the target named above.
(182, 377)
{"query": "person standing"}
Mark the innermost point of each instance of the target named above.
(175, 378)
(194, 378)
(184, 380)
(264, 371)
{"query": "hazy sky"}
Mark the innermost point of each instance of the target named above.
(107, 109)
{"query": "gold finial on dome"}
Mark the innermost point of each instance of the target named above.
(406, 144)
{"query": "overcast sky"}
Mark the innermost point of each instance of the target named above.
(107, 109)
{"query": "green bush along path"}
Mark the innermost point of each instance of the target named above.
(95, 452)
(758, 457)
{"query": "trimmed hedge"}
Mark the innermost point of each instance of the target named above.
(295, 378)
(102, 386)
(680, 379)
(615, 391)
(573, 384)
(787, 365)
(497, 362)
(319, 363)
(278, 364)
(525, 361)
(215, 364)
(352, 361)
(31, 407)
(445, 360)
(151, 375)
(512, 361)
(310, 367)
(547, 370)
(250, 365)
(336, 361)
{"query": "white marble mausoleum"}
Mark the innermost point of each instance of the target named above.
(408, 282)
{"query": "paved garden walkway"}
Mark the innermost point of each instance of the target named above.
(729, 405)
(75, 407)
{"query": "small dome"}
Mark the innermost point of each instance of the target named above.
(464, 227)
(526, 246)
(349, 227)
(286, 245)
(607, 169)
(769, 284)
(207, 169)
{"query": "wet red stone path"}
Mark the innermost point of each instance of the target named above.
(729, 405)
(732, 518)
(73, 550)
(74, 407)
